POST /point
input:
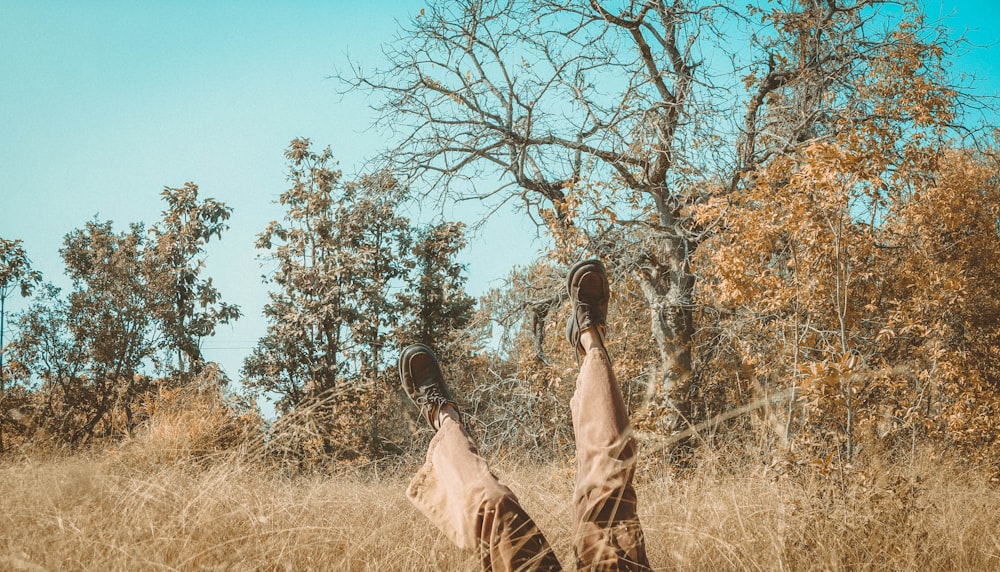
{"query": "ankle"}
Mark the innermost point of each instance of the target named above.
(447, 411)
(592, 338)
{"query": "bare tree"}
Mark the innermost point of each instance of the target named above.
(626, 118)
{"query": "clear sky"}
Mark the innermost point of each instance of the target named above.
(105, 102)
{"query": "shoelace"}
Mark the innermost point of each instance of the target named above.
(429, 396)
(584, 308)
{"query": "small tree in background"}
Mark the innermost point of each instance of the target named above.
(438, 308)
(16, 275)
(376, 259)
(301, 357)
(338, 252)
(355, 281)
(189, 306)
(439, 313)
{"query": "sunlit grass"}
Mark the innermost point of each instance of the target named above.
(101, 512)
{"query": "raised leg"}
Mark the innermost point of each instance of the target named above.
(455, 488)
(607, 533)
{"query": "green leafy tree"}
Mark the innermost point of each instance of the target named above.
(438, 308)
(55, 364)
(110, 317)
(88, 350)
(376, 244)
(301, 355)
(16, 275)
(338, 253)
(136, 297)
(437, 311)
(189, 306)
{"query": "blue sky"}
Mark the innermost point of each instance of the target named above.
(103, 103)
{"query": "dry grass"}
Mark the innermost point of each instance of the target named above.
(932, 516)
(100, 513)
(159, 503)
(80, 513)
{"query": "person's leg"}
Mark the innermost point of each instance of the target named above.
(455, 488)
(607, 533)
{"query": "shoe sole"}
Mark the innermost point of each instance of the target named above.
(579, 270)
(408, 352)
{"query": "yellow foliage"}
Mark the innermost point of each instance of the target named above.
(872, 295)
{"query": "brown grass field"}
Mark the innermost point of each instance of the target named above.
(129, 509)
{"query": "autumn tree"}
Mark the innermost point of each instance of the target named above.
(940, 330)
(614, 124)
(16, 275)
(816, 255)
(189, 307)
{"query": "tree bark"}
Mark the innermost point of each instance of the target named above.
(667, 286)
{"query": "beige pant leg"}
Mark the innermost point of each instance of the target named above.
(607, 533)
(457, 492)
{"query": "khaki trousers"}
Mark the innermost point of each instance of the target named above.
(457, 492)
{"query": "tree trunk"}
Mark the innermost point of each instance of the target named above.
(87, 430)
(667, 285)
(537, 312)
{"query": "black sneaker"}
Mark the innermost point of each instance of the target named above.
(589, 291)
(422, 379)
